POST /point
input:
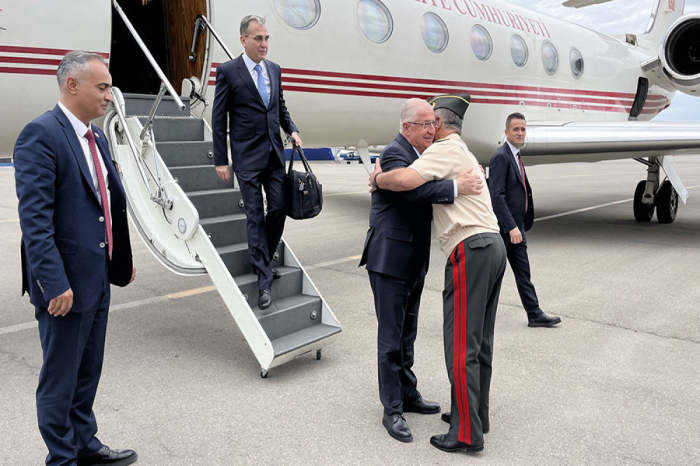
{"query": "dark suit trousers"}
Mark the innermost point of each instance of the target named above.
(396, 302)
(520, 264)
(264, 232)
(473, 277)
(73, 350)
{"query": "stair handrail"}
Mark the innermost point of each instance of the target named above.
(200, 24)
(164, 80)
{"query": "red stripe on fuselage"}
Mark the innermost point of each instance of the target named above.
(40, 50)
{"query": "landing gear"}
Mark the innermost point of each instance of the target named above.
(666, 203)
(650, 194)
(318, 355)
(642, 212)
(263, 374)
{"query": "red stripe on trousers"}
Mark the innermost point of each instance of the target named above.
(459, 347)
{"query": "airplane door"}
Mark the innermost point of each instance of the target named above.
(165, 26)
(34, 37)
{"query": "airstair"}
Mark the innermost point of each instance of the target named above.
(194, 224)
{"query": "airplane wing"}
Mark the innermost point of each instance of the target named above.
(583, 3)
(593, 142)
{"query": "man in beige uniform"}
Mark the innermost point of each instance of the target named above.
(469, 237)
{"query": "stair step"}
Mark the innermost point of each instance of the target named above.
(177, 129)
(288, 285)
(289, 315)
(199, 178)
(217, 203)
(140, 104)
(296, 340)
(226, 230)
(236, 258)
(187, 153)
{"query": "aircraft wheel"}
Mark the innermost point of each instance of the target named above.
(642, 212)
(318, 355)
(263, 374)
(666, 203)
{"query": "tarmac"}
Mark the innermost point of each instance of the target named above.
(617, 383)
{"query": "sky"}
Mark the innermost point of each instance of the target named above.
(619, 17)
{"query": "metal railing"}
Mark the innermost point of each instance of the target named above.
(200, 25)
(165, 83)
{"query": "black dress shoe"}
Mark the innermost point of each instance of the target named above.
(276, 274)
(421, 406)
(543, 320)
(264, 299)
(397, 427)
(105, 456)
(444, 443)
(447, 417)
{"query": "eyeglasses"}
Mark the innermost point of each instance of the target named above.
(260, 38)
(424, 125)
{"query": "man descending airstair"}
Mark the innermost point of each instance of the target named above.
(194, 223)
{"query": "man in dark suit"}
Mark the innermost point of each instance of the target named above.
(397, 253)
(249, 93)
(75, 242)
(511, 196)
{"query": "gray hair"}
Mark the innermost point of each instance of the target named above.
(450, 120)
(409, 110)
(245, 23)
(73, 63)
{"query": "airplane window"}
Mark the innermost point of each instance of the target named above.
(434, 32)
(299, 14)
(375, 20)
(482, 45)
(550, 57)
(518, 50)
(576, 62)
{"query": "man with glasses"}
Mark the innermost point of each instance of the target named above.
(396, 254)
(249, 103)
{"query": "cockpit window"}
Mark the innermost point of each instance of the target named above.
(519, 50)
(576, 62)
(550, 57)
(299, 14)
(434, 32)
(375, 20)
(482, 44)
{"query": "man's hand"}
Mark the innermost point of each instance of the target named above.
(296, 139)
(515, 236)
(468, 183)
(373, 175)
(133, 274)
(223, 172)
(61, 304)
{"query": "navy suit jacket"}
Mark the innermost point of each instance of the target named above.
(398, 240)
(60, 216)
(507, 192)
(253, 127)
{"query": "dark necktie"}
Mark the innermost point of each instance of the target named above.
(103, 189)
(522, 175)
(262, 89)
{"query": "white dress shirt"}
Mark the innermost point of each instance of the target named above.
(515, 154)
(81, 130)
(250, 64)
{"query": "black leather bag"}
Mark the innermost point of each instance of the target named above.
(302, 191)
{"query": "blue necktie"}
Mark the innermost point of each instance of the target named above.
(261, 85)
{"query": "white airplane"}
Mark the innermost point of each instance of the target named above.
(347, 68)
(348, 65)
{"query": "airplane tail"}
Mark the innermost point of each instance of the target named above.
(664, 13)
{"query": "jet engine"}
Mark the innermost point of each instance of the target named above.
(680, 54)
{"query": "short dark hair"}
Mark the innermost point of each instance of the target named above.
(245, 23)
(450, 120)
(514, 116)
